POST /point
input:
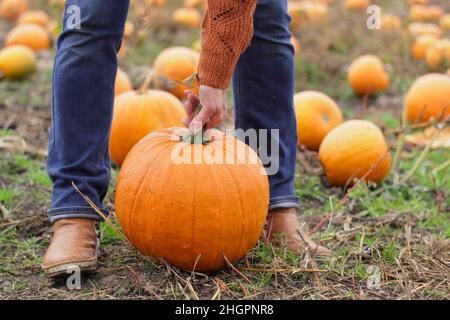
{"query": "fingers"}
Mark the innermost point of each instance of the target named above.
(189, 105)
(202, 118)
(217, 119)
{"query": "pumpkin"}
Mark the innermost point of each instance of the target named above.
(317, 114)
(444, 22)
(17, 62)
(296, 44)
(36, 17)
(421, 45)
(123, 83)
(12, 9)
(434, 57)
(138, 113)
(418, 29)
(31, 35)
(428, 97)
(189, 17)
(448, 72)
(192, 213)
(356, 5)
(176, 64)
(129, 29)
(353, 148)
(366, 75)
(390, 21)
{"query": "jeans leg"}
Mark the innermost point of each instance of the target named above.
(82, 106)
(263, 86)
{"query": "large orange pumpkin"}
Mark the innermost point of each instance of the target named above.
(176, 64)
(366, 75)
(192, 213)
(317, 114)
(17, 62)
(428, 97)
(350, 150)
(136, 114)
(123, 83)
(12, 9)
(30, 35)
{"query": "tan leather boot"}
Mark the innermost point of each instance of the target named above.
(283, 229)
(75, 243)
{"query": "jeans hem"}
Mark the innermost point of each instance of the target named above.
(284, 202)
(75, 212)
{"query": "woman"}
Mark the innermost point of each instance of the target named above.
(242, 39)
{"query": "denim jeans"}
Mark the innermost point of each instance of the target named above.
(83, 99)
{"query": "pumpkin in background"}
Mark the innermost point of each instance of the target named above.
(192, 214)
(17, 62)
(136, 114)
(428, 97)
(444, 22)
(366, 75)
(188, 17)
(390, 22)
(356, 5)
(416, 29)
(350, 150)
(434, 57)
(296, 44)
(36, 17)
(421, 45)
(123, 83)
(317, 114)
(176, 64)
(12, 9)
(31, 35)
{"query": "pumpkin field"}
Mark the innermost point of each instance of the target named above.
(372, 107)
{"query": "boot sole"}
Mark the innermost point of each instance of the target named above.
(67, 268)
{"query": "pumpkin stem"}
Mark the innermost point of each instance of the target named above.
(146, 84)
(199, 137)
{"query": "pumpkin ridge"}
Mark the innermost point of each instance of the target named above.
(238, 247)
(144, 176)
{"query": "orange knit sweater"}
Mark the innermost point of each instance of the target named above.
(227, 32)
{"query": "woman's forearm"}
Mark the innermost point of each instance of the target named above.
(227, 32)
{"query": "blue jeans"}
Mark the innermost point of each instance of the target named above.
(83, 99)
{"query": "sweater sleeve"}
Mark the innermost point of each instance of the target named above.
(227, 32)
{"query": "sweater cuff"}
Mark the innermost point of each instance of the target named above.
(216, 69)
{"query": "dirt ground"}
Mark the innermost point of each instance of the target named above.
(397, 235)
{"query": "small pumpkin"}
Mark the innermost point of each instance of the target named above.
(188, 17)
(428, 97)
(434, 57)
(137, 113)
(176, 64)
(367, 75)
(12, 9)
(357, 5)
(353, 148)
(31, 35)
(421, 45)
(192, 214)
(123, 83)
(317, 114)
(444, 21)
(416, 29)
(17, 62)
(296, 44)
(390, 22)
(37, 17)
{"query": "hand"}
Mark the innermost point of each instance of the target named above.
(214, 105)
